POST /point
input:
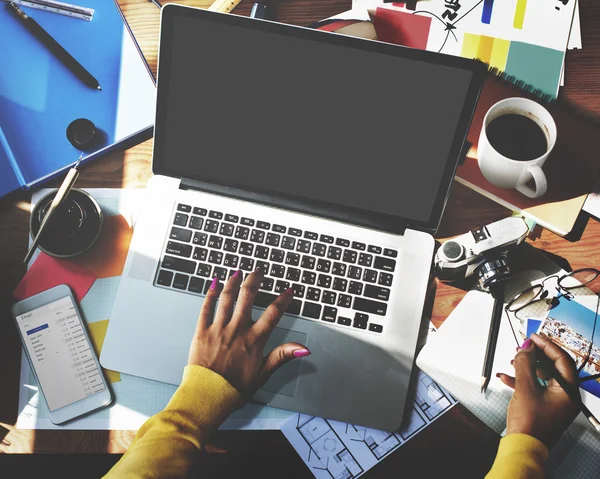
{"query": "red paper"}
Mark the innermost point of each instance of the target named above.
(402, 28)
(47, 272)
(333, 26)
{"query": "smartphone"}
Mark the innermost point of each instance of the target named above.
(61, 355)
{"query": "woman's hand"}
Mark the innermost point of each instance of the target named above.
(542, 412)
(231, 344)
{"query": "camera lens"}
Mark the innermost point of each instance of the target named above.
(452, 251)
(492, 271)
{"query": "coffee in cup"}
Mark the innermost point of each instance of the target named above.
(516, 139)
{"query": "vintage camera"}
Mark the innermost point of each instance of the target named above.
(481, 252)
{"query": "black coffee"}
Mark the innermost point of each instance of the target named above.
(517, 137)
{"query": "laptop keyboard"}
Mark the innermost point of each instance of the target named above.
(335, 280)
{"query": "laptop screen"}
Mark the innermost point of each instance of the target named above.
(281, 114)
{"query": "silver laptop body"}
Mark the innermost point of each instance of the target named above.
(360, 278)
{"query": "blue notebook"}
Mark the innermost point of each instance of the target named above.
(40, 97)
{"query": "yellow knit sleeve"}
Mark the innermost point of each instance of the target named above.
(519, 456)
(168, 443)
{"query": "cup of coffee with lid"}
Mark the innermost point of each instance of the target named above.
(516, 139)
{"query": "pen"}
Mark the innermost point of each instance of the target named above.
(571, 391)
(61, 194)
(497, 292)
(64, 56)
(155, 2)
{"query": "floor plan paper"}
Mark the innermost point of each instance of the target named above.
(136, 399)
(334, 449)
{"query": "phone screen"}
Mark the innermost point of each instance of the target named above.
(60, 353)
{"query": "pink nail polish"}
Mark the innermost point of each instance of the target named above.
(236, 274)
(290, 291)
(214, 283)
(300, 353)
(526, 344)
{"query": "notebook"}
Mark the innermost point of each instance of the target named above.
(571, 170)
(453, 357)
(40, 97)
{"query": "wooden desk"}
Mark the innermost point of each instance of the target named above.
(457, 441)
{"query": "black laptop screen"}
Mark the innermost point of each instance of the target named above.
(286, 115)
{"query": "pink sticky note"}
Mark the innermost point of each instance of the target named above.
(47, 272)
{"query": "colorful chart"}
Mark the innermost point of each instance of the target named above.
(486, 14)
(520, 14)
(515, 58)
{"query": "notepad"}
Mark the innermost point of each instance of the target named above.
(454, 357)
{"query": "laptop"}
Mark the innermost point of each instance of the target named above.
(322, 159)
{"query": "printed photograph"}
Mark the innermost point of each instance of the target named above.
(571, 326)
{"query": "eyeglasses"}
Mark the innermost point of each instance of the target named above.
(535, 302)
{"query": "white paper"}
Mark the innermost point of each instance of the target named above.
(456, 27)
(575, 36)
(135, 399)
(342, 450)
(592, 203)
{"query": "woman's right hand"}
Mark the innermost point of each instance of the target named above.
(542, 412)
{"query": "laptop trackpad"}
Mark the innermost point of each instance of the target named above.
(285, 379)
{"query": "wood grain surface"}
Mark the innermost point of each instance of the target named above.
(458, 441)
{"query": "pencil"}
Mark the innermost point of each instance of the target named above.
(497, 292)
(572, 391)
(56, 48)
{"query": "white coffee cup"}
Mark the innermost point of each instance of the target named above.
(506, 172)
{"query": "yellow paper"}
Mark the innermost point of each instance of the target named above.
(484, 51)
(500, 54)
(470, 46)
(97, 332)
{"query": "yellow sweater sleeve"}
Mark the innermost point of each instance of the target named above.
(519, 456)
(168, 443)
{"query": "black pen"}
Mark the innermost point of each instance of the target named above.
(490, 351)
(63, 55)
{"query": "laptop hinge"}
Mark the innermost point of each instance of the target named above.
(339, 214)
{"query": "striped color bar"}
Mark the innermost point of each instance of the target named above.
(490, 50)
(486, 14)
(520, 14)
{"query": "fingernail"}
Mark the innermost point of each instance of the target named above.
(498, 375)
(512, 361)
(526, 344)
(290, 291)
(214, 283)
(258, 270)
(300, 353)
(236, 274)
